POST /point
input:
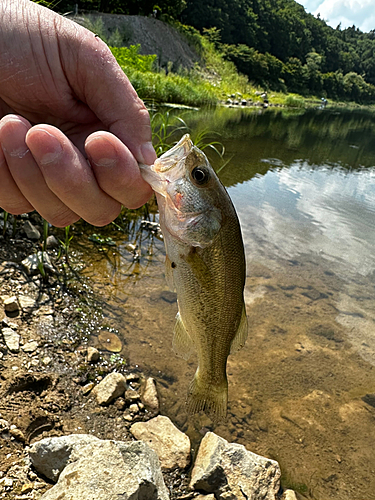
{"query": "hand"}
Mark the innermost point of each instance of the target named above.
(64, 100)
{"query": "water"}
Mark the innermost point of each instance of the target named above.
(302, 390)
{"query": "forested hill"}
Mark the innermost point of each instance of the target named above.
(274, 42)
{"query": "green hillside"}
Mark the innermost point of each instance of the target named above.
(275, 43)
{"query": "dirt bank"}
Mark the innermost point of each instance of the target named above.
(154, 36)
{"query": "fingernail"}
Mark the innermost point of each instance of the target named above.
(46, 149)
(148, 153)
(13, 138)
(95, 152)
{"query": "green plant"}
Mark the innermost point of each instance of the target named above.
(164, 127)
(6, 215)
(129, 57)
(294, 101)
(65, 244)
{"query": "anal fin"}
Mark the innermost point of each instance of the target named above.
(239, 340)
(182, 343)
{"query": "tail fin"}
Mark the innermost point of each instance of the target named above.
(210, 398)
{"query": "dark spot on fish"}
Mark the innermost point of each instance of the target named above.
(173, 265)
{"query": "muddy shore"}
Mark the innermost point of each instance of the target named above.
(47, 374)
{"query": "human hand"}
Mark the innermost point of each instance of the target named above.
(64, 99)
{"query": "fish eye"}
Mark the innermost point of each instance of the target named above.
(200, 175)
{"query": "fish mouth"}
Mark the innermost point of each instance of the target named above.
(157, 174)
(169, 160)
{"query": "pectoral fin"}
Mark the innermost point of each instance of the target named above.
(182, 343)
(239, 340)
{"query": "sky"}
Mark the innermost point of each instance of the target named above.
(361, 13)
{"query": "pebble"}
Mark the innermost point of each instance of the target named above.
(31, 346)
(88, 388)
(110, 388)
(131, 396)
(31, 231)
(27, 488)
(27, 303)
(46, 360)
(11, 304)
(52, 242)
(150, 395)
(11, 339)
(92, 355)
(17, 434)
(289, 495)
(4, 425)
(134, 408)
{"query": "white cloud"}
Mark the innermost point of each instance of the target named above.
(361, 13)
(296, 211)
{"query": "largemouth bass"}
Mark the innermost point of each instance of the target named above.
(205, 264)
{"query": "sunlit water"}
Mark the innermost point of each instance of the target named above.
(302, 390)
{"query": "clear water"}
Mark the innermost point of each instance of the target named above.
(302, 390)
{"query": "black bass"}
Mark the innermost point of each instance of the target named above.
(205, 264)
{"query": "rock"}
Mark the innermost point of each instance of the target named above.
(171, 445)
(150, 395)
(31, 346)
(31, 231)
(289, 495)
(32, 262)
(110, 388)
(92, 355)
(4, 425)
(17, 434)
(132, 396)
(11, 304)
(230, 471)
(88, 468)
(51, 242)
(109, 341)
(134, 408)
(11, 339)
(88, 388)
(27, 304)
(27, 488)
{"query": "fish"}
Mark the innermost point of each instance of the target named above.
(205, 265)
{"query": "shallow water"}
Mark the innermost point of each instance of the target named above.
(302, 390)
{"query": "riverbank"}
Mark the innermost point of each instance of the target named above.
(186, 69)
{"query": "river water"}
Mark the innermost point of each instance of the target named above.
(302, 390)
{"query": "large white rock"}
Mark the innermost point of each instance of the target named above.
(88, 468)
(171, 445)
(110, 388)
(232, 472)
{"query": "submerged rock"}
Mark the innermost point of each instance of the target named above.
(230, 471)
(150, 395)
(171, 445)
(92, 355)
(32, 263)
(88, 468)
(110, 388)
